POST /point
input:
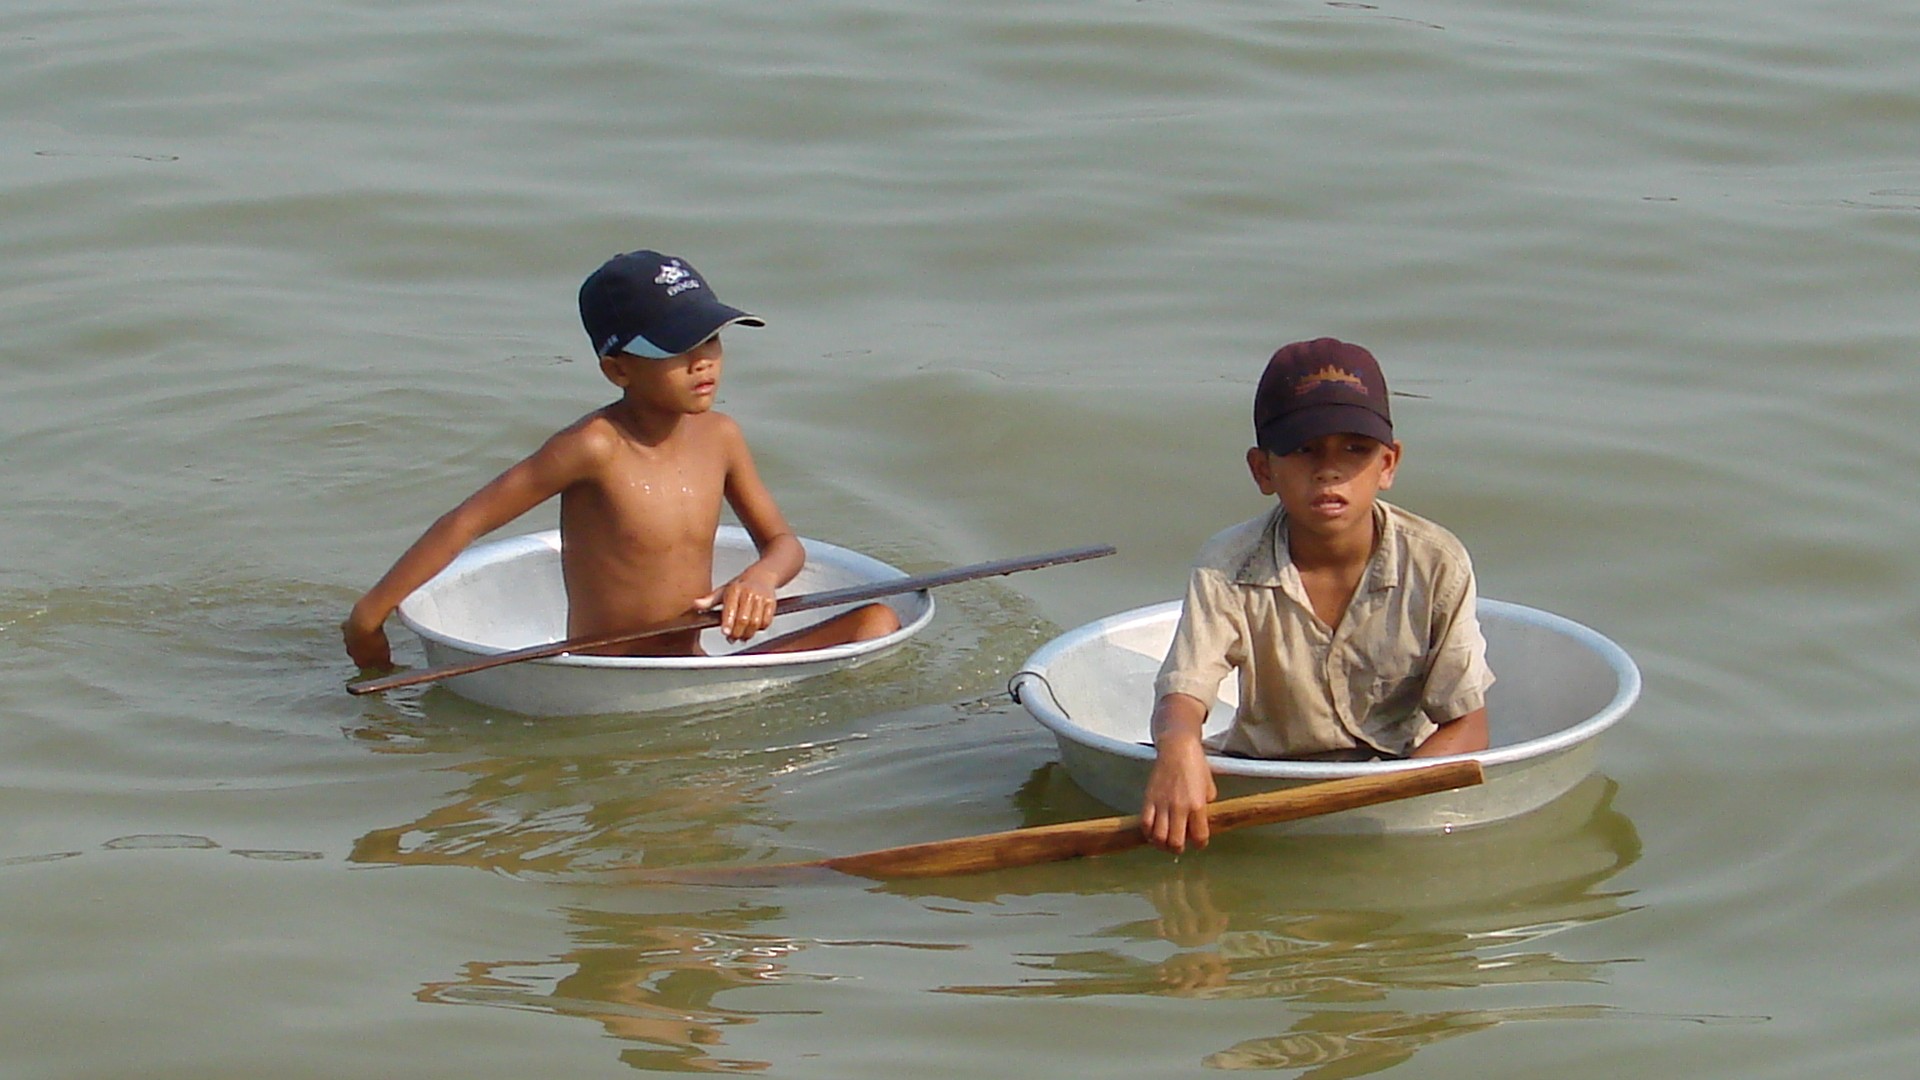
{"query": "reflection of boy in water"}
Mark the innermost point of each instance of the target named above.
(1350, 622)
(648, 981)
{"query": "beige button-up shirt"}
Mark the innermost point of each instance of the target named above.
(1406, 657)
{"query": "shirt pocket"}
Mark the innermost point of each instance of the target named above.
(1396, 696)
(1387, 675)
(1393, 683)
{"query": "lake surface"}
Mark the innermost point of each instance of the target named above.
(283, 282)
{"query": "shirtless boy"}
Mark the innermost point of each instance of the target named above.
(1350, 622)
(640, 482)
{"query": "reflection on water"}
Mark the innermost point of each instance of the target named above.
(569, 796)
(1345, 926)
(1331, 1045)
(568, 806)
(564, 797)
(1356, 921)
(645, 979)
(650, 980)
(568, 813)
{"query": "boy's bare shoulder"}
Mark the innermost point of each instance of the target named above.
(598, 437)
(718, 432)
(594, 435)
(719, 423)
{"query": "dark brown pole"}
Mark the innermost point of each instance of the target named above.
(852, 594)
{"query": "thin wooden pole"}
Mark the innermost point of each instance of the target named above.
(852, 594)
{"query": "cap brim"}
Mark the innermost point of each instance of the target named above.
(688, 326)
(1290, 431)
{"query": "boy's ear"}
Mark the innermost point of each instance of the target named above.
(1392, 462)
(1260, 465)
(615, 372)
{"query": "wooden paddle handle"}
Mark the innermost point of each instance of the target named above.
(1101, 836)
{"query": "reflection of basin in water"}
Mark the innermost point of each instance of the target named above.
(1326, 919)
(1559, 686)
(1537, 869)
(1534, 869)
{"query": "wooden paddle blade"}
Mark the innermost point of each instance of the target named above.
(1075, 839)
(939, 858)
(994, 851)
(1102, 836)
(730, 875)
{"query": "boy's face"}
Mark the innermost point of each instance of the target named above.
(1329, 484)
(681, 384)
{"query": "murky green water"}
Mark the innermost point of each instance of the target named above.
(280, 284)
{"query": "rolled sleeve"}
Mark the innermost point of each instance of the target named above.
(1208, 643)
(1458, 677)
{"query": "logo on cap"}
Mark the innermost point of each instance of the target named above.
(1329, 374)
(676, 278)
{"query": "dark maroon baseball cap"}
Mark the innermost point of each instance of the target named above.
(1320, 387)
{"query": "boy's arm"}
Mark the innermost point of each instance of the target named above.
(1461, 735)
(1207, 644)
(1457, 677)
(522, 487)
(1174, 812)
(746, 603)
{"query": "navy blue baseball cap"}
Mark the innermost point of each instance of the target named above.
(652, 305)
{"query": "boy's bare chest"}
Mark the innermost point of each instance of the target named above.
(654, 499)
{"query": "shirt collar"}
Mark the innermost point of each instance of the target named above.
(1268, 563)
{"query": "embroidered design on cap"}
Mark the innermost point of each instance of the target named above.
(1328, 374)
(676, 278)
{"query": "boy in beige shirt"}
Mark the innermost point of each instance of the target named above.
(1350, 622)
